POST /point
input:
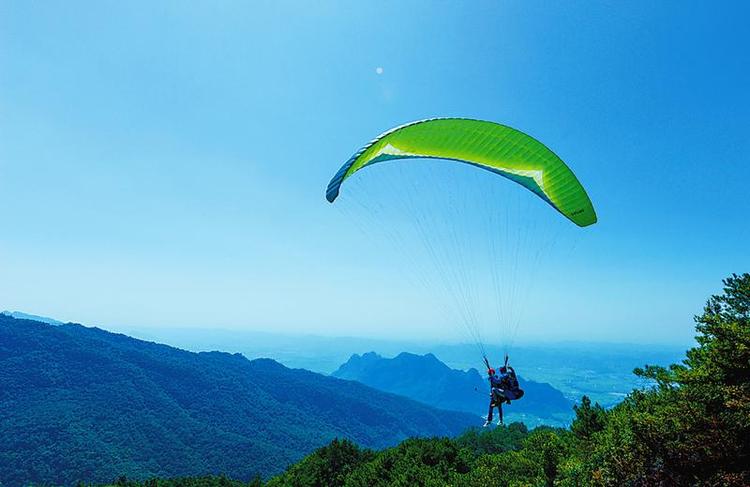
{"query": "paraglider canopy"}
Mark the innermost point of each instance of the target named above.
(487, 145)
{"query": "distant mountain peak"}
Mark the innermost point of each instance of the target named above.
(426, 379)
(414, 356)
(26, 316)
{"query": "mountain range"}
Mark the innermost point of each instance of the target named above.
(602, 371)
(426, 379)
(79, 403)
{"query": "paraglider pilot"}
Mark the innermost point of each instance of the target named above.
(504, 388)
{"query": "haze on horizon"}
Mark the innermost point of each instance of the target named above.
(165, 167)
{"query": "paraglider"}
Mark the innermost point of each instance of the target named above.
(504, 230)
(488, 145)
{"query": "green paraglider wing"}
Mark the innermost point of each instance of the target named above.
(488, 145)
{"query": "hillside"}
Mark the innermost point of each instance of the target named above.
(25, 316)
(425, 378)
(81, 403)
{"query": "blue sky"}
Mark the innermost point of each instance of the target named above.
(164, 164)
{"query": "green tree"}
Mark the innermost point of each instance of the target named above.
(495, 440)
(589, 420)
(326, 466)
(548, 448)
(416, 461)
(693, 427)
(504, 470)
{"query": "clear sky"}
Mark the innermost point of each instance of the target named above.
(164, 163)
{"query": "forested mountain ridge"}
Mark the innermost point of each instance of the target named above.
(25, 316)
(426, 379)
(80, 403)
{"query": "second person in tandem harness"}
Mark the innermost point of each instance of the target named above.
(504, 388)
